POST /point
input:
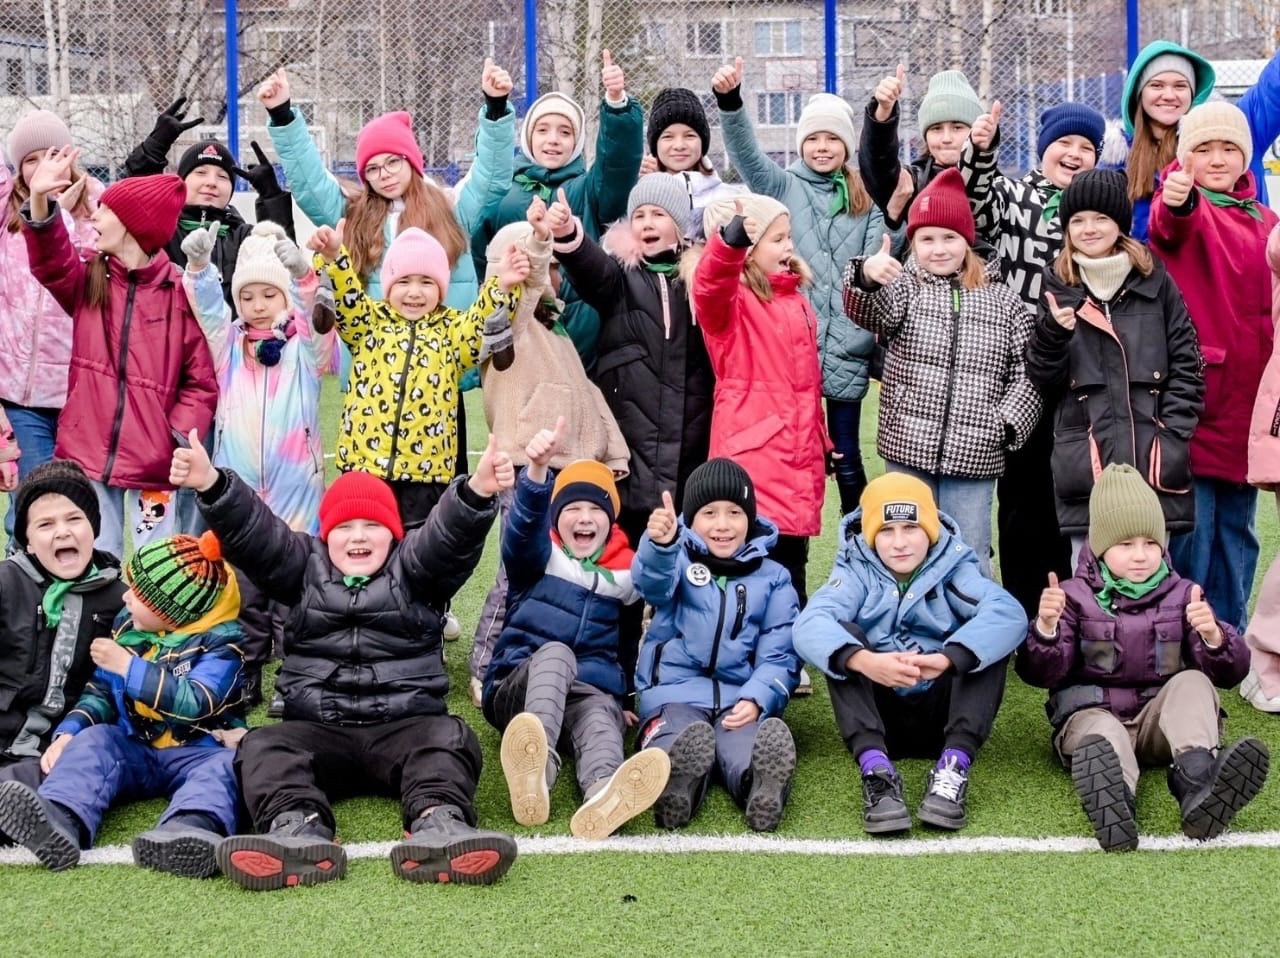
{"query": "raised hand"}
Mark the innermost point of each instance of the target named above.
(888, 91)
(172, 123)
(190, 467)
(1053, 601)
(983, 132)
(663, 523)
(901, 195)
(615, 83)
(69, 197)
(54, 171)
(1064, 316)
(728, 78)
(274, 90)
(881, 268)
(494, 472)
(1201, 618)
(648, 164)
(261, 175)
(495, 81)
(1177, 188)
(198, 245)
(514, 268)
(327, 240)
(559, 216)
(288, 253)
(536, 214)
(544, 444)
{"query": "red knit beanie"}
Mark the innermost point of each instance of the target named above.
(148, 206)
(943, 203)
(358, 495)
(389, 133)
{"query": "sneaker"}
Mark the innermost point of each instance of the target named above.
(945, 791)
(692, 754)
(805, 687)
(1251, 692)
(1211, 791)
(297, 850)
(442, 847)
(185, 852)
(773, 763)
(32, 822)
(883, 810)
(275, 708)
(1107, 801)
(632, 789)
(524, 765)
(450, 628)
(476, 688)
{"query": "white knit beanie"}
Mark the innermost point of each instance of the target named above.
(1215, 120)
(763, 209)
(828, 113)
(257, 261)
(559, 105)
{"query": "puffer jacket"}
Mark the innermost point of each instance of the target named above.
(1119, 660)
(1264, 428)
(1130, 388)
(955, 396)
(713, 642)
(360, 654)
(879, 161)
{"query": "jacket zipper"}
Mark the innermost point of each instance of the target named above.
(121, 368)
(404, 392)
(1110, 330)
(951, 373)
(741, 591)
(262, 439)
(715, 654)
(657, 661)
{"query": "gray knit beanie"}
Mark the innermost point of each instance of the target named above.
(949, 98)
(666, 191)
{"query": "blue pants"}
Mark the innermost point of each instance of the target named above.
(102, 765)
(844, 419)
(967, 501)
(1221, 553)
(733, 746)
(35, 431)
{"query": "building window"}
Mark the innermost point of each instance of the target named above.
(779, 109)
(14, 81)
(778, 38)
(704, 38)
(655, 36)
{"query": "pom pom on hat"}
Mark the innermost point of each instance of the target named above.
(416, 251)
(898, 497)
(148, 206)
(943, 203)
(678, 105)
(358, 495)
(390, 133)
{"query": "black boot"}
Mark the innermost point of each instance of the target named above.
(1099, 781)
(442, 847)
(1210, 791)
(44, 829)
(186, 845)
(251, 691)
(297, 850)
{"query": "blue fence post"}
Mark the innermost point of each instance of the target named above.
(829, 29)
(233, 79)
(1131, 31)
(530, 53)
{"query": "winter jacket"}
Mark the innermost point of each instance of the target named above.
(879, 162)
(715, 640)
(321, 198)
(767, 412)
(1130, 384)
(554, 598)
(359, 654)
(598, 196)
(1119, 660)
(140, 368)
(704, 189)
(955, 395)
(947, 607)
(1264, 428)
(400, 416)
(825, 242)
(268, 422)
(652, 364)
(1217, 256)
(43, 668)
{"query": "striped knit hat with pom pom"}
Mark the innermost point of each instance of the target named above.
(179, 578)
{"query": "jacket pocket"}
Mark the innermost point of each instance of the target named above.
(753, 436)
(1168, 650)
(614, 358)
(1074, 462)
(1098, 647)
(548, 401)
(1169, 463)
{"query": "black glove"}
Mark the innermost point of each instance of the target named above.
(262, 175)
(734, 233)
(170, 125)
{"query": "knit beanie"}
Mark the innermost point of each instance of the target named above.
(1070, 119)
(559, 105)
(943, 203)
(179, 578)
(828, 113)
(1122, 506)
(898, 497)
(36, 132)
(1168, 63)
(585, 480)
(57, 477)
(148, 206)
(665, 191)
(389, 133)
(416, 251)
(257, 261)
(208, 153)
(949, 98)
(716, 481)
(1164, 56)
(358, 495)
(763, 209)
(678, 105)
(1099, 191)
(1218, 120)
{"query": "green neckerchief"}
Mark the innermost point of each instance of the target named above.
(530, 185)
(1051, 204)
(665, 268)
(590, 562)
(551, 307)
(840, 202)
(163, 640)
(904, 585)
(1111, 586)
(186, 226)
(56, 594)
(1225, 199)
(355, 581)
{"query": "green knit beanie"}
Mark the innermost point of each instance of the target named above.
(179, 578)
(1121, 507)
(949, 98)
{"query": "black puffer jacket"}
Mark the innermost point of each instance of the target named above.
(356, 655)
(277, 209)
(879, 162)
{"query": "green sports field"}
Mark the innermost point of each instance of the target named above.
(1021, 879)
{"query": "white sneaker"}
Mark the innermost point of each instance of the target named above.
(1251, 692)
(477, 692)
(806, 684)
(450, 628)
(632, 789)
(524, 765)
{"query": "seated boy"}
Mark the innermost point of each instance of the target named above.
(717, 666)
(1131, 653)
(916, 640)
(363, 678)
(168, 679)
(554, 678)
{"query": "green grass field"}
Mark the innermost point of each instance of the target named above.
(654, 902)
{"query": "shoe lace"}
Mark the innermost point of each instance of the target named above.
(948, 781)
(879, 784)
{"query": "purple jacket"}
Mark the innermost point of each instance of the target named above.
(1120, 662)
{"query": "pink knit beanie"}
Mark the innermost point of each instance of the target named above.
(416, 251)
(389, 133)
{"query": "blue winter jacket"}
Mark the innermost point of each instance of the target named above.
(713, 642)
(949, 603)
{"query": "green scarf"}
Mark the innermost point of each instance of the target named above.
(530, 185)
(56, 595)
(355, 581)
(1111, 587)
(590, 562)
(1051, 204)
(664, 268)
(1225, 199)
(162, 640)
(187, 226)
(840, 202)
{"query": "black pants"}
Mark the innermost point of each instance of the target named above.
(792, 552)
(416, 500)
(956, 711)
(425, 760)
(1031, 546)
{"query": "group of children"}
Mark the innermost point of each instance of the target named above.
(680, 357)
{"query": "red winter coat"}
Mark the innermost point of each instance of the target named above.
(767, 412)
(140, 368)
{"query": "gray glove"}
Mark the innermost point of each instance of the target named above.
(497, 340)
(198, 246)
(288, 253)
(324, 315)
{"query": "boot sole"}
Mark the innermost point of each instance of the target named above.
(888, 826)
(24, 819)
(524, 765)
(773, 763)
(1099, 781)
(260, 863)
(938, 817)
(632, 789)
(185, 854)
(479, 859)
(1243, 769)
(692, 755)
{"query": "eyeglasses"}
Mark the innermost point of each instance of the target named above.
(391, 167)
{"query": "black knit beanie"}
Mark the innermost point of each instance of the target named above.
(208, 153)
(678, 105)
(719, 479)
(1099, 191)
(57, 477)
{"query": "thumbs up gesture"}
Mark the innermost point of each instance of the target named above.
(327, 240)
(559, 218)
(728, 78)
(1052, 603)
(495, 81)
(544, 444)
(663, 523)
(887, 93)
(1201, 618)
(983, 132)
(494, 472)
(1064, 316)
(1177, 188)
(190, 467)
(615, 83)
(881, 268)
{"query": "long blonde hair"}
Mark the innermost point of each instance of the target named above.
(860, 202)
(1065, 268)
(1153, 149)
(757, 279)
(425, 206)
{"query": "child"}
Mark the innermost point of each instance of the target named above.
(1131, 652)
(555, 680)
(1211, 232)
(141, 369)
(955, 398)
(761, 335)
(1114, 341)
(833, 220)
(917, 640)
(167, 682)
(363, 678)
(717, 666)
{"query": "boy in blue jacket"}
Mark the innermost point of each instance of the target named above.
(916, 642)
(717, 666)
